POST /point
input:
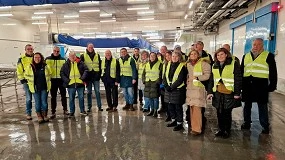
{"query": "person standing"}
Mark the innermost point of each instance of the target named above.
(74, 73)
(177, 48)
(92, 60)
(23, 62)
(128, 76)
(38, 75)
(175, 90)
(141, 86)
(55, 62)
(225, 87)
(136, 57)
(228, 47)
(163, 51)
(198, 70)
(111, 79)
(259, 78)
(152, 78)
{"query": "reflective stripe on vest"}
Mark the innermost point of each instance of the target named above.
(258, 67)
(74, 74)
(55, 66)
(141, 68)
(126, 68)
(29, 75)
(176, 74)
(112, 67)
(92, 65)
(197, 71)
(152, 74)
(227, 77)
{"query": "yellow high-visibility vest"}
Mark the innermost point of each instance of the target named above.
(126, 68)
(92, 65)
(55, 66)
(197, 71)
(227, 77)
(74, 74)
(29, 76)
(152, 74)
(22, 65)
(258, 67)
(176, 74)
(141, 68)
(112, 67)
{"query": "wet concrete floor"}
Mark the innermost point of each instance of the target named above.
(127, 135)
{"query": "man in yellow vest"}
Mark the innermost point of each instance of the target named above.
(24, 61)
(111, 79)
(128, 77)
(136, 57)
(259, 78)
(73, 74)
(55, 62)
(93, 61)
(177, 48)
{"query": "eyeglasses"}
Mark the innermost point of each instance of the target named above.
(56, 51)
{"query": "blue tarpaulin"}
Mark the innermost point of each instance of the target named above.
(107, 42)
(38, 2)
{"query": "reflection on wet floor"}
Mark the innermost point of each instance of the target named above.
(132, 135)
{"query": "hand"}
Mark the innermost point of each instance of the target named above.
(210, 96)
(236, 97)
(134, 81)
(116, 83)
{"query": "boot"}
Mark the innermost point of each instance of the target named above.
(150, 113)
(168, 119)
(126, 107)
(110, 109)
(172, 124)
(131, 107)
(40, 118)
(155, 113)
(46, 119)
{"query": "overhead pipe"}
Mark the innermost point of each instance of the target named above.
(204, 14)
(38, 2)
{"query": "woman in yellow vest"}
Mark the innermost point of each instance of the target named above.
(38, 75)
(225, 89)
(198, 70)
(74, 73)
(152, 78)
(141, 65)
(175, 90)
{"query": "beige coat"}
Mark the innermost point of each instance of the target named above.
(196, 96)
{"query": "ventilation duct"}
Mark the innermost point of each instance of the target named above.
(38, 2)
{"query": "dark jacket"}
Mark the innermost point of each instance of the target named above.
(106, 78)
(126, 81)
(221, 100)
(39, 76)
(151, 89)
(65, 71)
(205, 54)
(92, 75)
(256, 89)
(175, 95)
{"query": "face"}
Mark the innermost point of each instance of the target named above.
(199, 46)
(193, 47)
(108, 54)
(29, 50)
(124, 53)
(221, 56)
(136, 52)
(227, 47)
(56, 52)
(174, 58)
(144, 56)
(193, 55)
(90, 48)
(257, 46)
(37, 58)
(163, 50)
(72, 57)
(168, 57)
(152, 57)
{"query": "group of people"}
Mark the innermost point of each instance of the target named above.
(173, 76)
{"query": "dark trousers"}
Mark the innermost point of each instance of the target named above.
(163, 106)
(135, 86)
(111, 95)
(55, 85)
(224, 119)
(141, 96)
(262, 111)
(176, 112)
(166, 109)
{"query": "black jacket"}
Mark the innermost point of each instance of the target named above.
(205, 54)
(39, 76)
(256, 89)
(92, 75)
(106, 78)
(221, 100)
(65, 71)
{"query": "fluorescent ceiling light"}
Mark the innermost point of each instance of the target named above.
(154, 37)
(135, 1)
(117, 32)
(137, 8)
(9, 24)
(88, 33)
(39, 23)
(191, 3)
(5, 7)
(186, 15)
(71, 16)
(38, 17)
(89, 10)
(6, 14)
(101, 36)
(44, 12)
(105, 15)
(154, 40)
(43, 5)
(71, 22)
(90, 28)
(112, 20)
(145, 19)
(150, 26)
(89, 3)
(145, 12)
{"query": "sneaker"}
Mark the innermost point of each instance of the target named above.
(52, 116)
(83, 113)
(245, 126)
(109, 109)
(88, 110)
(178, 127)
(71, 115)
(29, 117)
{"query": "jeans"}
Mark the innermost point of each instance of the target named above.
(41, 100)
(176, 112)
(28, 99)
(111, 95)
(262, 111)
(55, 85)
(151, 103)
(80, 92)
(129, 95)
(96, 85)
